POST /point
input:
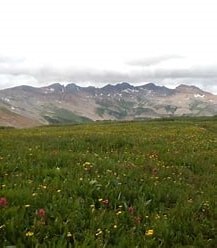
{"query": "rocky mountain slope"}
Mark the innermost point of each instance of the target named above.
(26, 106)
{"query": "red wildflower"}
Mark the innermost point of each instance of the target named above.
(105, 202)
(3, 202)
(41, 212)
(131, 210)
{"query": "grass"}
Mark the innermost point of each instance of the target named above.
(129, 184)
(65, 116)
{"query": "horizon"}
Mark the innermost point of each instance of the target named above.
(103, 85)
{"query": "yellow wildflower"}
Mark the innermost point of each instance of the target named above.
(29, 234)
(149, 232)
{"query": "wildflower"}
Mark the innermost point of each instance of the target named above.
(86, 163)
(131, 210)
(157, 216)
(69, 235)
(41, 212)
(165, 216)
(92, 208)
(105, 202)
(87, 166)
(119, 212)
(29, 234)
(27, 206)
(115, 226)
(149, 232)
(206, 204)
(59, 190)
(3, 202)
(99, 232)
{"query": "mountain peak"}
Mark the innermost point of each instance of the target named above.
(118, 87)
(24, 88)
(56, 86)
(71, 88)
(183, 88)
(162, 90)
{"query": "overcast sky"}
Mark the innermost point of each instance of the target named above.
(95, 42)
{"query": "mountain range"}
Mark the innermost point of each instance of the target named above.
(26, 106)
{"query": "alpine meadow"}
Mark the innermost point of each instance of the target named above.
(108, 124)
(110, 184)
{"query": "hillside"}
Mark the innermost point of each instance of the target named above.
(73, 104)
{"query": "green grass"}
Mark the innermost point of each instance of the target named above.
(129, 184)
(65, 116)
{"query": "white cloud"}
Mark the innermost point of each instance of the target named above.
(65, 39)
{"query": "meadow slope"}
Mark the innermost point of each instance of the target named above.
(130, 184)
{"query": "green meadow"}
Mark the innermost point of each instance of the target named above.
(118, 184)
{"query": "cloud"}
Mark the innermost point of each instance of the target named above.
(11, 60)
(48, 73)
(145, 62)
(22, 73)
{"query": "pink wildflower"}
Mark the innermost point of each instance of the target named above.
(3, 202)
(41, 212)
(131, 210)
(105, 202)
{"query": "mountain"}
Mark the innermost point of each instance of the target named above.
(26, 106)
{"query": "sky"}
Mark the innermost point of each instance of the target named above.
(96, 42)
